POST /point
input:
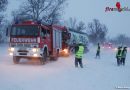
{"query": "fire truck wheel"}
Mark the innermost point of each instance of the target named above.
(57, 54)
(44, 58)
(54, 58)
(16, 59)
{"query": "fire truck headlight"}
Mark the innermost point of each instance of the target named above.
(115, 49)
(11, 54)
(35, 55)
(11, 49)
(65, 51)
(35, 50)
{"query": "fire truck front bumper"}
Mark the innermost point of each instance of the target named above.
(25, 52)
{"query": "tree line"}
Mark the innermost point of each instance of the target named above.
(50, 12)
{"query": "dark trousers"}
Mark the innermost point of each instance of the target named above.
(123, 61)
(98, 54)
(118, 61)
(78, 61)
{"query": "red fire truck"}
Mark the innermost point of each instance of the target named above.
(32, 39)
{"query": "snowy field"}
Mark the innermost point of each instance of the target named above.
(97, 74)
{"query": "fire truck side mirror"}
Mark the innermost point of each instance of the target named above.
(7, 30)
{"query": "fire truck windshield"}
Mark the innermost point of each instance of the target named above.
(24, 31)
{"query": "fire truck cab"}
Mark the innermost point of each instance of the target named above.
(29, 39)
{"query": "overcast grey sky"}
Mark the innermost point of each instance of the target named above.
(87, 10)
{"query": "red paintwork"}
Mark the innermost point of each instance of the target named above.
(48, 40)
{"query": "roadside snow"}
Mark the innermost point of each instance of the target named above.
(97, 74)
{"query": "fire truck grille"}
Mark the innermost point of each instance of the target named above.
(22, 53)
(20, 45)
(23, 45)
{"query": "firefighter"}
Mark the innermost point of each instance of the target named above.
(123, 55)
(118, 55)
(79, 50)
(98, 51)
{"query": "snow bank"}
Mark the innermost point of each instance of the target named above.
(97, 74)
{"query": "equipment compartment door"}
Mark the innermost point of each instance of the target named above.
(57, 39)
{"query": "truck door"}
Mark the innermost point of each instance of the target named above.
(46, 40)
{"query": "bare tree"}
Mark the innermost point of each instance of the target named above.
(3, 29)
(72, 23)
(77, 26)
(15, 14)
(18, 16)
(81, 26)
(97, 31)
(121, 39)
(3, 4)
(45, 10)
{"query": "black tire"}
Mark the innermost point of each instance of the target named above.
(43, 59)
(16, 59)
(57, 53)
(54, 58)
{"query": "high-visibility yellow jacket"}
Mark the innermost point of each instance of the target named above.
(80, 52)
(123, 53)
(119, 53)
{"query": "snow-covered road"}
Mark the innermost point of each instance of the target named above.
(97, 74)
